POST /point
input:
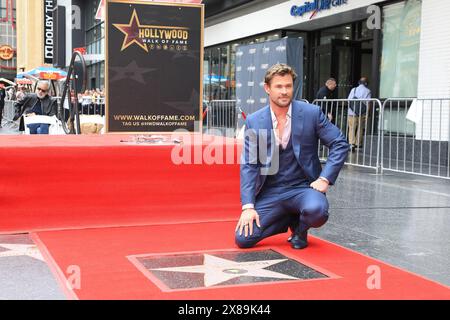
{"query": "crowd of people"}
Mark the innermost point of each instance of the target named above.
(27, 103)
(92, 102)
(96, 96)
(10, 94)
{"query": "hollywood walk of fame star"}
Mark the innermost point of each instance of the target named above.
(17, 250)
(131, 32)
(131, 71)
(217, 270)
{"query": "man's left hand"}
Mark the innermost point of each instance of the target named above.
(320, 185)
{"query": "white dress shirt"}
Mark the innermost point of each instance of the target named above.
(284, 140)
(360, 92)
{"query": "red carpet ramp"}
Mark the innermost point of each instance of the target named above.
(63, 182)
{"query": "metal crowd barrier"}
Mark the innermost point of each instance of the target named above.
(416, 134)
(221, 118)
(8, 116)
(92, 117)
(96, 107)
(361, 131)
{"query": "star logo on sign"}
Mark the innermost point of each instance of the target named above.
(217, 270)
(131, 31)
(134, 28)
(131, 71)
(17, 250)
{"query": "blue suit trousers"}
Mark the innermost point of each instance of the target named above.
(279, 208)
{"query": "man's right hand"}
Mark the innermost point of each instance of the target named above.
(30, 114)
(330, 117)
(245, 223)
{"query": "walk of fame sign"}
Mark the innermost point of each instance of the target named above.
(154, 61)
(221, 269)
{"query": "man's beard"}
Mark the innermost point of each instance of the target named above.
(283, 104)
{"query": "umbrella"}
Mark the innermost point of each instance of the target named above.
(7, 81)
(23, 81)
(45, 73)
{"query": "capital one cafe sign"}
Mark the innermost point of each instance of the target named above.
(314, 7)
(49, 41)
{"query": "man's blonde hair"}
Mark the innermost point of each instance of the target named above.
(279, 69)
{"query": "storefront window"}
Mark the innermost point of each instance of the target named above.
(233, 72)
(95, 44)
(265, 38)
(224, 78)
(365, 32)
(219, 78)
(341, 32)
(206, 77)
(8, 36)
(219, 73)
(401, 44)
(214, 75)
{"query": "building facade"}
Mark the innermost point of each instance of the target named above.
(401, 46)
(48, 32)
(81, 28)
(8, 39)
(396, 44)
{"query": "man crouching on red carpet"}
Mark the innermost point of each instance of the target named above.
(283, 184)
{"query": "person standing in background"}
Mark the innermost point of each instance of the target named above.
(357, 113)
(328, 91)
(2, 101)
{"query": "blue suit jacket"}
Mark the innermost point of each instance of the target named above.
(309, 125)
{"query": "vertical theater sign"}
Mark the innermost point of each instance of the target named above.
(154, 60)
(49, 6)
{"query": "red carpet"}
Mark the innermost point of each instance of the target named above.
(141, 204)
(61, 182)
(107, 273)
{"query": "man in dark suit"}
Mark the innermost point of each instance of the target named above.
(39, 103)
(283, 184)
(328, 91)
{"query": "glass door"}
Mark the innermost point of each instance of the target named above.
(346, 65)
(340, 59)
(322, 66)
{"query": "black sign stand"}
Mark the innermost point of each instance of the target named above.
(154, 67)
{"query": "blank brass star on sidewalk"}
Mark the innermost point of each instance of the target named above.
(17, 250)
(131, 32)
